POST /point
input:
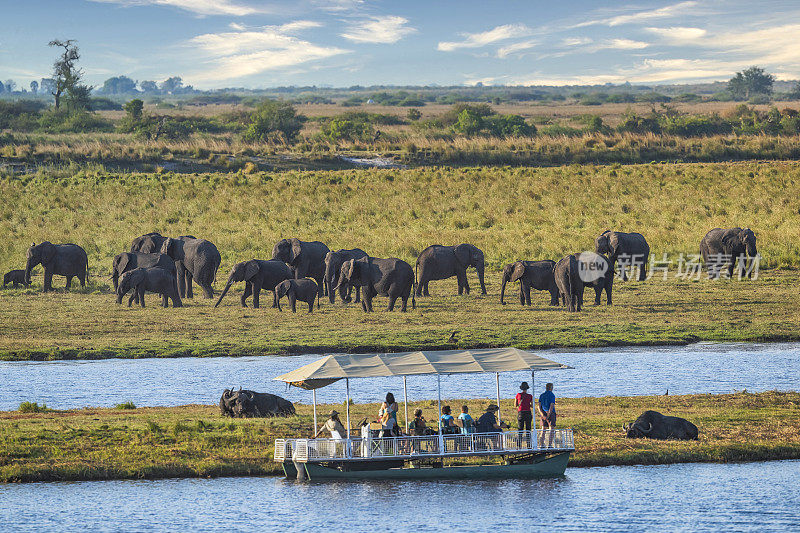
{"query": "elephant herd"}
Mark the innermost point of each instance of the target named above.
(309, 270)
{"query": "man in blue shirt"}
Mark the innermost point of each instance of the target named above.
(547, 414)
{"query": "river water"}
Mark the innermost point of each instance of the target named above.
(697, 368)
(683, 497)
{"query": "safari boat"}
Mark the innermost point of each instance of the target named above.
(363, 454)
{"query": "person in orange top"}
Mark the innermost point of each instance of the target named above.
(524, 404)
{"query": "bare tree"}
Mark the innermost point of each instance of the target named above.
(65, 74)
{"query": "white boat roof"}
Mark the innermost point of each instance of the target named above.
(338, 366)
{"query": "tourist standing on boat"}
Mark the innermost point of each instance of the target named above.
(334, 425)
(388, 415)
(524, 404)
(547, 412)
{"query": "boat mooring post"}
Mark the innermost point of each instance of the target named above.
(534, 437)
(405, 400)
(347, 406)
(314, 399)
(439, 415)
(497, 382)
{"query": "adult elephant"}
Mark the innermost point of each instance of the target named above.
(390, 277)
(721, 246)
(630, 248)
(306, 258)
(569, 283)
(531, 275)
(127, 261)
(195, 259)
(149, 243)
(68, 260)
(333, 265)
(596, 271)
(442, 262)
(257, 274)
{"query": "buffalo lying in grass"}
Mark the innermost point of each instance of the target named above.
(654, 425)
(248, 404)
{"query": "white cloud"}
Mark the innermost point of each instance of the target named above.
(516, 48)
(641, 16)
(199, 7)
(385, 30)
(298, 25)
(622, 44)
(237, 54)
(575, 41)
(478, 40)
(679, 35)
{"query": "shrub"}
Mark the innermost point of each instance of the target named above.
(414, 114)
(125, 406)
(33, 407)
(134, 109)
(695, 125)
(72, 121)
(509, 125)
(103, 104)
(20, 115)
(351, 127)
(274, 118)
(469, 123)
(633, 123)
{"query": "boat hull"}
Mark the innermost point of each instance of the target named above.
(551, 466)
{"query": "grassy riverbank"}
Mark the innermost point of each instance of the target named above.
(90, 325)
(194, 441)
(510, 213)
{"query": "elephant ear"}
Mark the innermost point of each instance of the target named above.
(348, 268)
(251, 270)
(294, 253)
(463, 254)
(122, 264)
(48, 252)
(518, 272)
(732, 237)
(280, 288)
(166, 247)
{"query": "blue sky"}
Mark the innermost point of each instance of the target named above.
(257, 43)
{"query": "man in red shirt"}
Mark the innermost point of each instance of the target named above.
(524, 404)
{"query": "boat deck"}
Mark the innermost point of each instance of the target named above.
(409, 448)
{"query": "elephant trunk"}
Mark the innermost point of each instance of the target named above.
(330, 278)
(29, 264)
(503, 289)
(224, 292)
(751, 249)
(480, 267)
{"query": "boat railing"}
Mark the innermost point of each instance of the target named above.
(416, 447)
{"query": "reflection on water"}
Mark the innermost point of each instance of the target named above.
(697, 368)
(690, 497)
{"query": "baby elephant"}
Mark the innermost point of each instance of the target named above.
(154, 279)
(305, 290)
(16, 277)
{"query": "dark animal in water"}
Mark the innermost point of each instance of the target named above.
(249, 404)
(654, 425)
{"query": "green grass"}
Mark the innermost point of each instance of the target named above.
(510, 213)
(33, 407)
(125, 406)
(194, 441)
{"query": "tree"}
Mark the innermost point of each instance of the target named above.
(2, 87)
(118, 85)
(149, 87)
(34, 87)
(751, 82)
(794, 94)
(134, 109)
(11, 85)
(65, 74)
(172, 85)
(47, 85)
(273, 117)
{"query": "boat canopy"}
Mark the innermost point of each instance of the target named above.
(334, 367)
